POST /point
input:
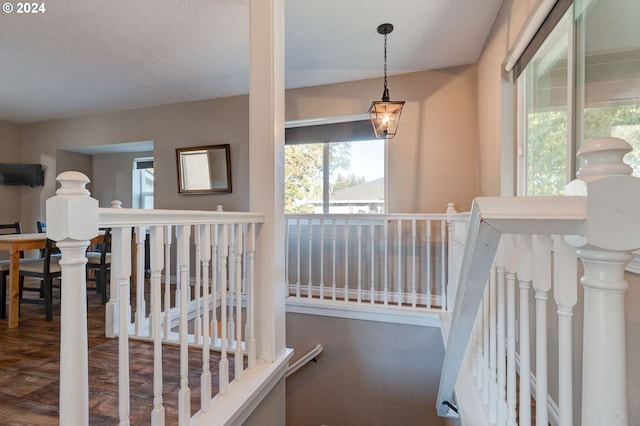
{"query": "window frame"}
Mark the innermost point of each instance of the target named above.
(138, 194)
(325, 153)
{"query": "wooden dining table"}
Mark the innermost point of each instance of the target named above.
(14, 244)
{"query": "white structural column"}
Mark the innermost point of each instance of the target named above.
(266, 170)
(612, 232)
(73, 220)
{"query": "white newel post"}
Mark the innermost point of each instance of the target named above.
(72, 218)
(612, 231)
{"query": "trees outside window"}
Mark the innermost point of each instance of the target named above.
(335, 177)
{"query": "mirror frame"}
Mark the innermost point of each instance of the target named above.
(181, 153)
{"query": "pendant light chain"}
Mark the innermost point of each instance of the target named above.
(385, 63)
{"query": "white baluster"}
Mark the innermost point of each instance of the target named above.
(399, 264)
(500, 336)
(566, 296)
(372, 244)
(386, 263)
(70, 198)
(233, 271)
(430, 290)
(156, 264)
(287, 254)
(510, 252)
(443, 267)
(542, 285)
(215, 266)
(204, 232)
(359, 242)
(322, 259)
(182, 253)
(197, 321)
(525, 271)
(141, 307)
(493, 344)
(346, 260)
(414, 294)
(113, 305)
(122, 244)
(223, 251)
(334, 261)
(168, 235)
(486, 374)
(310, 261)
(452, 266)
(298, 256)
(476, 348)
(251, 340)
(239, 366)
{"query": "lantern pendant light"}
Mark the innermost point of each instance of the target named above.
(385, 114)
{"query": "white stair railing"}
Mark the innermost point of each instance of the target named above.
(213, 256)
(538, 242)
(389, 260)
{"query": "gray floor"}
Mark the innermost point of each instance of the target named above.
(370, 373)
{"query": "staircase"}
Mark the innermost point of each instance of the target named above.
(525, 247)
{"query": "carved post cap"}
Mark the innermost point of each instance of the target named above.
(72, 213)
(451, 208)
(116, 204)
(603, 157)
(612, 197)
(73, 183)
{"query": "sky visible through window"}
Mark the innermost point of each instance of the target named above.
(365, 160)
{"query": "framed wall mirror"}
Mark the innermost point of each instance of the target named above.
(204, 169)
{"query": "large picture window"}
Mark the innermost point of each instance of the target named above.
(335, 177)
(582, 83)
(334, 168)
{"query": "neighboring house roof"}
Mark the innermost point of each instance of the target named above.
(372, 191)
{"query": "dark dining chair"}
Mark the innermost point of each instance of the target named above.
(6, 229)
(99, 262)
(46, 270)
(55, 251)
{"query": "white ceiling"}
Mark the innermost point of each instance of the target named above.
(83, 57)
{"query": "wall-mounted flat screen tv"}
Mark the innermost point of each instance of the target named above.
(21, 174)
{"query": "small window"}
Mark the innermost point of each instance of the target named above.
(142, 185)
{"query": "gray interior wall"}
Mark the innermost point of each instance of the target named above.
(171, 126)
(118, 184)
(10, 194)
(369, 373)
(72, 161)
(438, 132)
(271, 410)
(433, 158)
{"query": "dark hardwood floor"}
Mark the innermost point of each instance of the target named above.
(29, 371)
